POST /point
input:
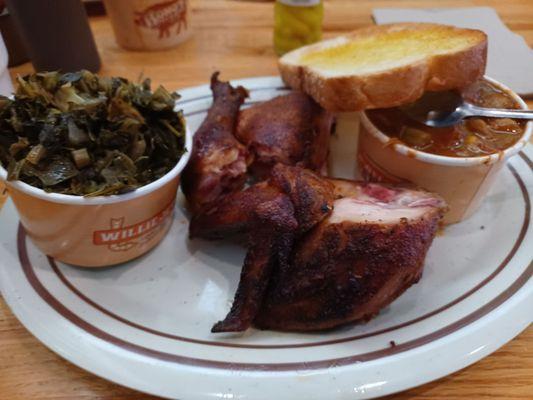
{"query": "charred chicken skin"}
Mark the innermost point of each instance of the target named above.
(322, 252)
(290, 129)
(310, 196)
(269, 246)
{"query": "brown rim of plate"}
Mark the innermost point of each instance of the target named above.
(292, 366)
(485, 281)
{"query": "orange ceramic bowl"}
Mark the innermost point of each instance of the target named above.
(462, 181)
(98, 231)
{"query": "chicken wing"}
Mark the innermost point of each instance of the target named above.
(273, 213)
(270, 244)
(218, 161)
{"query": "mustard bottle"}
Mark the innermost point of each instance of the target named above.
(297, 23)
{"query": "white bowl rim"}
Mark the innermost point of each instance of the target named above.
(456, 161)
(102, 200)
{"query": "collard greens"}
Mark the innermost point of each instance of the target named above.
(81, 134)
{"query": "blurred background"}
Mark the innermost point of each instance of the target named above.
(174, 40)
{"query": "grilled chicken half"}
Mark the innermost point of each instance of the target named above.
(322, 252)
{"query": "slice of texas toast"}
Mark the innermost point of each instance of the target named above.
(386, 65)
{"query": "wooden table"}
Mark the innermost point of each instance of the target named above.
(236, 38)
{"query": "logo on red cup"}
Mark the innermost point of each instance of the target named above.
(163, 16)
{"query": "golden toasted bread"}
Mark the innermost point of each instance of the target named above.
(386, 65)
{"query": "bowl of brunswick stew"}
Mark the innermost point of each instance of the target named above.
(458, 162)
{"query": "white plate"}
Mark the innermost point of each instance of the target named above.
(147, 324)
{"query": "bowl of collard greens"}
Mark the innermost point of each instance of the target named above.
(92, 164)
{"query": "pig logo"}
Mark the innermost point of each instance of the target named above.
(117, 224)
(163, 16)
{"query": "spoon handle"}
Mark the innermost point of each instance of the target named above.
(473, 111)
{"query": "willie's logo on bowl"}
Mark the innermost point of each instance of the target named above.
(123, 238)
(163, 16)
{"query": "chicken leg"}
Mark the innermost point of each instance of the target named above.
(218, 162)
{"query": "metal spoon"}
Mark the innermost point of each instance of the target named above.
(441, 109)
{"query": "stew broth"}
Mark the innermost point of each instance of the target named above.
(470, 138)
